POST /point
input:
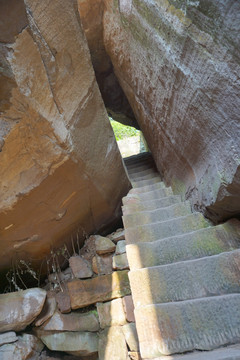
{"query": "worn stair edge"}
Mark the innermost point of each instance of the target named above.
(146, 182)
(146, 196)
(141, 165)
(146, 217)
(147, 188)
(163, 229)
(140, 174)
(200, 243)
(138, 157)
(200, 324)
(150, 205)
(231, 352)
(209, 276)
(149, 176)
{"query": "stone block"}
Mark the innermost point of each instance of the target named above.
(112, 344)
(72, 322)
(101, 288)
(130, 333)
(121, 247)
(120, 262)
(26, 306)
(102, 264)
(81, 268)
(48, 309)
(128, 308)
(75, 343)
(104, 245)
(8, 337)
(111, 313)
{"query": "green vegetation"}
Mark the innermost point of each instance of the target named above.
(122, 131)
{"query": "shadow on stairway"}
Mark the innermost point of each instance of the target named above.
(184, 272)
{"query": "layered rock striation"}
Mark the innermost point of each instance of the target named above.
(178, 64)
(61, 172)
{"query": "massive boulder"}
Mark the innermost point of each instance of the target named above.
(91, 13)
(178, 63)
(61, 173)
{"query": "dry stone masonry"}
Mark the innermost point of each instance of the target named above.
(81, 312)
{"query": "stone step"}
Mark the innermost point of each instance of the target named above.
(186, 280)
(136, 164)
(151, 195)
(151, 174)
(138, 157)
(151, 181)
(139, 168)
(204, 242)
(201, 324)
(147, 217)
(147, 188)
(151, 205)
(143, 173)
(231, 352)
(164, 229)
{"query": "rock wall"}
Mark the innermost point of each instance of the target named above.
(91, 13)
(61, 172)
(178, 64)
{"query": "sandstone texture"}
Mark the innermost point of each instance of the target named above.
(112, 344)
(91, 14)
(27, 347)
(76, 343)
(178, 64)
(72, 322)
(81, 268)
(102, 288)
(19, 309)
(61, 172)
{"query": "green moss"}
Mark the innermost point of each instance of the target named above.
(122, 131)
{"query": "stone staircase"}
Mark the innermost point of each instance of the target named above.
(184, 272)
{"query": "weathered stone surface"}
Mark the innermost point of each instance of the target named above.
(121, 247)
(76, 343)
(52, 177)
(111, 313)
(63, 301)
(27, 347)
(102, 264)
(81, 268)
(72, 322)
(146, 217)
(8, 337)
(130, 333)
(151, 204)
(98, 289)
(19, 309)
(133, 355)
(192, 279)
(120, 262)
(128, 308)
(177, 63)
(48, 309)
(167, 228)
(112, 344)
(117, 235)
(204, 242)
(91, 13)
(214, 323)
(104, 245)
(227, 353)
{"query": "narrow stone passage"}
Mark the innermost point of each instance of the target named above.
(184, 272)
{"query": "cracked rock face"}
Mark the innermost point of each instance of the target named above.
(177, 62)
(61, 170)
